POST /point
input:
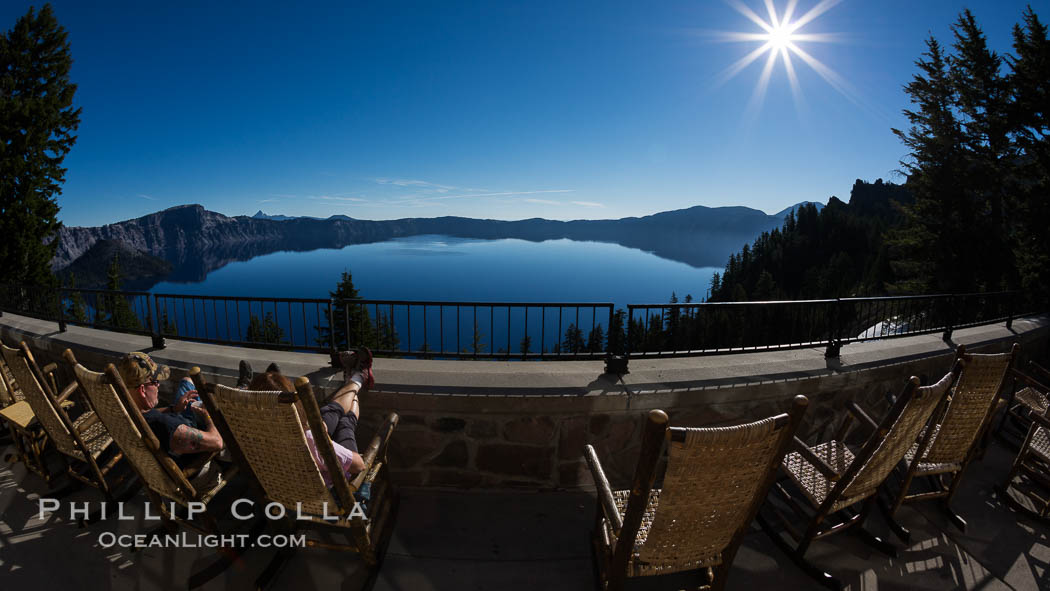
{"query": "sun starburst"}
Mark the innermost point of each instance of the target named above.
(781, 36)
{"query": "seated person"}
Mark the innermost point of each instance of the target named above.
(182, 429)
(339, 415)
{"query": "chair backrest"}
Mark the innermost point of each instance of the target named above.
(271, 437)
(713, 484)
(10, 393)
(41, 400)
(972, 400)
(118, 412)
(897, 432)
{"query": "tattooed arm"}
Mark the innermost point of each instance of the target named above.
(187, 439)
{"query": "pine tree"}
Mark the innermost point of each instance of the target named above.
(353, 316)
(1030, 126)
(929, 249)
(37, 121)
(982, 100)
(525, 345)
(114, 309)
(573, 342)
(265, 330)
(596, 339)
(618, 332)
(76, 312)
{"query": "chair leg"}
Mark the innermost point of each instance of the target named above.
(227, 558)
(889, 515)
(797, 557)
(870, 538)
(952, 516)
(274, 567)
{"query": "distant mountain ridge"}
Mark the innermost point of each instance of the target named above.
(196, 241)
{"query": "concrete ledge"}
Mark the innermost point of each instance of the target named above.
(492, 424)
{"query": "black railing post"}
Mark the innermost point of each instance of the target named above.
(949, 318)
(834, 348)
(1010, 309)
(58, 311)
(154, 324)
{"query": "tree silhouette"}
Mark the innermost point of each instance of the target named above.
(37, 121)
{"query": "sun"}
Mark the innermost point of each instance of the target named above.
(781, 36)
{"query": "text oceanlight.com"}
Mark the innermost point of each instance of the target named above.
(187, 540)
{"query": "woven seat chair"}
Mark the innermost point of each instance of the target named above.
(82, 441)
(266, 435)
(1033, 463)
(166, 484)
(834, 479)
(29, 438)
(953, 442)
(713, 484)
(1030, 395)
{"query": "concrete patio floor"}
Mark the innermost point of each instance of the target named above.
(466, 540)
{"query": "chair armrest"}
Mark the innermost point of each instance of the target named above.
(1042, 420)
(826, 470)
(1029, 380)
(49, 368)
(66, 392)
(376, 449)
(1039, 370)
(858, 412)
(601, 483)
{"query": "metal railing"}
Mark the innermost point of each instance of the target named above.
(511, 330)
(676, 330)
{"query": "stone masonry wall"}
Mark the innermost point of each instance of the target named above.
(537, 441)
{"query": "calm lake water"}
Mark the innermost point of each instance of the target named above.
(436, 268)
(458, 269)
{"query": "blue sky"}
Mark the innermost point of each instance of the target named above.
(563, 110)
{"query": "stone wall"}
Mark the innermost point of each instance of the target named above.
(535, 441)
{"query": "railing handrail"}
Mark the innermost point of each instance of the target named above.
(650, 329)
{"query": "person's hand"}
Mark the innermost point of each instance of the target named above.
(187, 399)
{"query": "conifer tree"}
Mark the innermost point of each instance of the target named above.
(928, 250)
(37, 121)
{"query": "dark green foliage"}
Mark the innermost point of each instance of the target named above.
(525, 346)
(265, 330)
(167, 326)
(573, 342)
(76, 311)
(596, 339)
(346, 314)
(477, 344)
(618, 332)
(834, 252)
(1029, 206)
(114, 309)
(37, 121)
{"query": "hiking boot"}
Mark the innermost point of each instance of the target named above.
(364, 358)
(245, 375)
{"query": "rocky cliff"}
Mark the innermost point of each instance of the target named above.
(197, 241)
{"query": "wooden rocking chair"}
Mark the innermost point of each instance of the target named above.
(715, 481)
(267, 434)
(29, 438)
(83, 441)
(834, 480)
(952, 443)
(162, 478)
